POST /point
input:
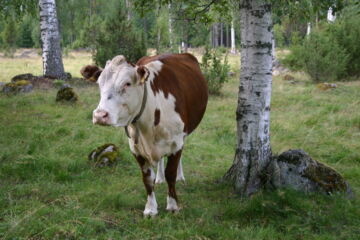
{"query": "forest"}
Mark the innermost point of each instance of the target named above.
(244, 174)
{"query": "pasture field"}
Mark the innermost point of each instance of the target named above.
(48, 189)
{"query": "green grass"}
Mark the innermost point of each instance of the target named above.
(49, 191)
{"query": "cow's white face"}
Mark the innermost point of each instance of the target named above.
(121, 94)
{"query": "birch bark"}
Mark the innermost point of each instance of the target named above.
(253, 153)
(50, 40)
(233, 47)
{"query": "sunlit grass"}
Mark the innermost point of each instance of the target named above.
(49, 191)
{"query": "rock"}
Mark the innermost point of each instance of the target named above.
(288, 77)
(296, 169)
(231, 74)
(325, 86)
(105, 155)
(20, 86)
(26, 76)
(2, 84)
(66, 94)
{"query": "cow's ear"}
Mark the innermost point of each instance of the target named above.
(142, 74)
(91, 72)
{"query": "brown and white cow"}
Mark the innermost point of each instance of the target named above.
(159, 101)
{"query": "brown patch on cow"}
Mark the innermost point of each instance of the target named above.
(181, 77)
(157, 117)
(143, 73)
(91, 72)
(149, 186)
(171, 173)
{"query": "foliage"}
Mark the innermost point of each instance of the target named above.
(117, 37)
(215, 70)
(346, 31)
(279, 35)
(330, 53)
(9, 37)
(321, 57)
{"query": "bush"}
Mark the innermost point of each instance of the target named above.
(215, 72)
(324, 59)
(117, 37)
(9, 37)
(346, 31)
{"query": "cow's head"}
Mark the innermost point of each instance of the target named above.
(121, 88)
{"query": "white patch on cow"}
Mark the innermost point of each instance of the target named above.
(172, 205)
(167, 137)
(154, 68)
(160, 172)
(180, 173)
(151, 206)
(121, 93)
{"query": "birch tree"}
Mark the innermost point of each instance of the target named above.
(50, 40)
(253, 150)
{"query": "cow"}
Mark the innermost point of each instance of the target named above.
(159, 101)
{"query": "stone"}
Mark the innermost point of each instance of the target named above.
(105, 155)
(25, 76)
(325, 86)
(296, 169)
(288, 77)
(66, 94)
(20, 86)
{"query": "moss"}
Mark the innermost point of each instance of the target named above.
(105, 155)
(66, 94)
(325, 177)
(18, 86)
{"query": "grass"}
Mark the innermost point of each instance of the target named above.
(49, 191)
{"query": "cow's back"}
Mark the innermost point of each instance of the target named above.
(181, 76)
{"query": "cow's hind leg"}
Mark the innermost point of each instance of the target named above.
(180, 173)
(160, 175)
(149, 182)
(170, 175)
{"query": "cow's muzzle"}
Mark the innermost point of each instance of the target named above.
(101, 117)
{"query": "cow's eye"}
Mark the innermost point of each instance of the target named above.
(128, 84)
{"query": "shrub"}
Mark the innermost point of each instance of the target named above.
(324, 59)
(215, 72)
(346, 31)
(117, 37)
(279, 35)
(9, 37)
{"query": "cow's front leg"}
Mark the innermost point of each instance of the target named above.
(170, 175)
(149, 180)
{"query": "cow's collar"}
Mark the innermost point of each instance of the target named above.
(136, 118)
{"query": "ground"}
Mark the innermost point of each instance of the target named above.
(48, 189)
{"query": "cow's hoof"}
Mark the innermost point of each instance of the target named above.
(150, 213)
(172, 205)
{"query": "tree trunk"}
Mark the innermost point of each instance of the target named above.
(221, 34)
(170, 27)
(216, 35)
(50, 38)
(308, 30)
(128, 10)
(253, 153)
(331, 17)
(233, 47)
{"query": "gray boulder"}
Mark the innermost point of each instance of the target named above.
(296, 169)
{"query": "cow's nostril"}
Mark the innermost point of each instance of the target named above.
(106, 114)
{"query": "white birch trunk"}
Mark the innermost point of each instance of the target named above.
(50, 38)
(128, 6)
(233, 47)
(253, 152)
(308, 30)
(331, 17)
(170, 27)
